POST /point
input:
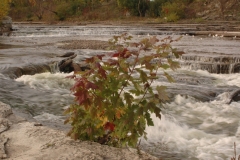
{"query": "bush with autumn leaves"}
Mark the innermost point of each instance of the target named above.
(115, 97)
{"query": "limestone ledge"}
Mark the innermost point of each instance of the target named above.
(21, 139)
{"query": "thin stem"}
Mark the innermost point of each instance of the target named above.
(131, 72)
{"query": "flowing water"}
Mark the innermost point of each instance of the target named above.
(197, 123)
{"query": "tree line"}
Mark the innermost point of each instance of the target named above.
(171, 10)
(4, 8)
(64, 9)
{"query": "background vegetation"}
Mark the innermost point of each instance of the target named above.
(77, 10)
(4, 7)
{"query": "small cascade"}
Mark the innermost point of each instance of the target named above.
(31, 69)
(215, 64)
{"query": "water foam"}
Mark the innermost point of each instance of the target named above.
(48, 81)
(190, 129)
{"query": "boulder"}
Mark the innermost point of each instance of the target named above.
(68, 54)
(6, 26)
(235, 96)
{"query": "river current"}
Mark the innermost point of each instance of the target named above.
(197, 123)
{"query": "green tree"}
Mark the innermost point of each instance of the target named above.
(4, 8)
(136, 7)
(65, 9)
(174, 10)
(115, 98)
(155, 8)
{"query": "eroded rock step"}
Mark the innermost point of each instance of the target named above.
(213, 64)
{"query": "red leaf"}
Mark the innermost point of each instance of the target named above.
(90, 85)
(79, 83)
(89, 60)
(100, 56)
(101, 71)
(81, 97)
(109, 126)
(116, 55)
(113, 62)
(123, 54)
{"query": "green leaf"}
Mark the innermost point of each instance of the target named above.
(162, 94)
(169, 78)
(129, 98)
(143, 75)
(165, 54)
(149, 119)
(173, 65)
(157, 112)
(165, 66)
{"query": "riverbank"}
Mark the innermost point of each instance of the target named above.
(21, 139)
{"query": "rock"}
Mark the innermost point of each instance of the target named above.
(5, 110)
(31, 69)
(4, 124)
(65, 65)
(68, 54)
(3, 141)
(76, 67)
(6, 26)
(38, 124)
(234, 96)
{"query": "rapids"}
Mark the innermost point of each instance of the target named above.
(196, 124)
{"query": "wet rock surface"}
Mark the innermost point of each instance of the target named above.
(85, 44)
(68, 65)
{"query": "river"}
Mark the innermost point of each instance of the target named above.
(196, 124)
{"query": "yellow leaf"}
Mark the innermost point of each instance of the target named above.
(104, 120)
(119, 113)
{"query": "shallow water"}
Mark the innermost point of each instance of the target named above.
(196, 124)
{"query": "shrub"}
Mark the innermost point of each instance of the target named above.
(66, 9)
(4, 7)
(115, 98)
(172, 17)
(173, 11)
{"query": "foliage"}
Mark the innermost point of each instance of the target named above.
(155, 8)
(66, 9)
(115, 98)
(173, 11)
(4, 7)
(172, 17)
(136, 7)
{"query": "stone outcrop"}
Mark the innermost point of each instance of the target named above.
(67, 65)
(5, 111)
(6, 26)
(221, 64)
(27, 140)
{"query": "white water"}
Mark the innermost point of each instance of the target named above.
(48, 81)
(190, 129)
